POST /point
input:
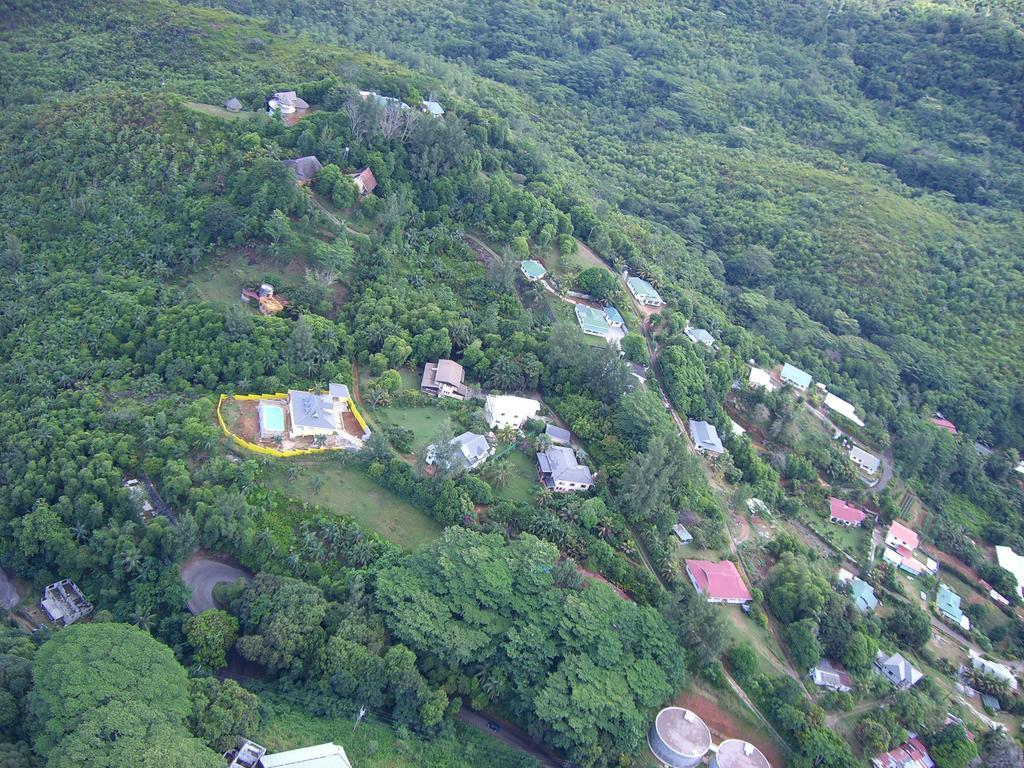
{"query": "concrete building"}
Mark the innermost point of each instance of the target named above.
(532, 270)
(560, 471)
(793, 375)
(843, 408)
(644, 292)
(844, 513)
(759, 377)
(705, 438)
(509, 411)
(679, 738)
(63, 601)
(736, 753)
(718, 582)
(444, 379)
(866, 461)
(700, 336)
(827, 674)
(897, 670)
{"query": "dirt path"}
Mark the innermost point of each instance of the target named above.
(508, 734)
(204, 571)
(323, 209)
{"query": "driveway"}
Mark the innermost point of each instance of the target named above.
(510, 735)
(8, 592)
(202, 572)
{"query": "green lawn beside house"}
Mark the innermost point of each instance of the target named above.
(523, 484)
(424, 420)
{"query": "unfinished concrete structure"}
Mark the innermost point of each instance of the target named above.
(63, 601)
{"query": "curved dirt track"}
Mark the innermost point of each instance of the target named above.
(203, 572)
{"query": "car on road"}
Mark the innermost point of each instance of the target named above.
(493, 726)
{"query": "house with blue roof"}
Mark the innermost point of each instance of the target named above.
(611, 314)
(793, 375)
(947, 602)
(532, 270)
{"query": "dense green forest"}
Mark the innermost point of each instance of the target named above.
(843, 180)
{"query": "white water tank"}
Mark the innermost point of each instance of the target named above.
(679, 738)
(736, 753)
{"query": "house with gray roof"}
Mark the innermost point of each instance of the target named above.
(311, 414)
(561, 472)
(705, 438)
(444, 379)
(304, 168)
(532, 270)
(473, 449)
(558, 435)
(897, 670)
(700, 336)
(233, 105)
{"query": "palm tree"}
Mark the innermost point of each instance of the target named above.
(142, 618)
(499, 473)
(130, 561)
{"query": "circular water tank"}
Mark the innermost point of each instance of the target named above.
(736, 753)
(679, 738)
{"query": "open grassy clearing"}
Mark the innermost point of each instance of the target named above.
(745, 629)
(522, 484)
(377, 745)
(215, 111)
(222, 280)
(425, 421)
(346, 490)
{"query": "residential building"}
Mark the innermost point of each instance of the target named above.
(705, 438)
(761, 378)
(844, 513)
(593, 321)
(948, 604)
(910, 754)
(943, 423)
(901, 536)
(247, 755)
(612, 316)
(433, 108)
(384, 102)
(558, 435)
(700, 336)
(532, 270)
(1014, 563)
(314, 415)
(286, 103)
(903, 558)
(736, 428)
(328, 755)
(364, 180)
(718, 582)
(561, 472)
(304, 168)
(793, 375)
(681, 533)
(471, 450)
(863, 595)
(994, 669)
(63, 601)
(644, 292)
(444, 379)
(866, 461)
(843, 408)
(233, 105)
(639, 372)
(827, 674)
(509, 411)
(897, 670)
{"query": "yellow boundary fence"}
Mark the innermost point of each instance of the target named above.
(274, 451)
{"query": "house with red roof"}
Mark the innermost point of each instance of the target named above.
(718, 582)
(844, 513)
(910, 754)
(901, 536)
(945, 424)
(364, 181)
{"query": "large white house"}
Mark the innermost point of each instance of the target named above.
(843, 408)
(644, 292)
(509, 411)
(866, 461)
(759, 377)
(1012, 562)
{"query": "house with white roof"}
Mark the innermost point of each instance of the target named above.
(759, 377)
(509, 411)
(1014, 563)
(993, 669)
(433, 108)
(532, 270)
(705, 438)
(700, 336)
(866, 461)
(793, 375)
(249, 754)
(644, 292)
(843, 408)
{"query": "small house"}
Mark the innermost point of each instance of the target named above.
(901, 536)
(63, 601)
(321, 756)
(644, 292)
(910, 754)
(705, 438)
(718, 582)
(503, 411)
(863, 595)
(233, 105)
(558, 435)
(684, 536)
(532, 270)
(612, 317)
(947, 602)
(944, 423)
(994, 669)
(433, 108)
(827, 674)
(793, 375)
(561, 472)
(444, 379)
(593, 322)
(761, 378)
(897, 670)
(304, 168)
(843, 408)
(868, 462)
(471, 450)
(700, 336)
(843, 513)
(364, 180)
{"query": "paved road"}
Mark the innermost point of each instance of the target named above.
(510, 735)
(203, 573)
(8, 592)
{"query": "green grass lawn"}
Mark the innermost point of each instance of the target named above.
(376, 745)
(222, 280)
(745, 629)
(522, 485)
(348, 491)
(425, 421)
(215, 111)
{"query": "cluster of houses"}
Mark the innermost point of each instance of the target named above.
(249, 754)
(901, 544)
(558, 468)
(330, 418)
(427, 106)
(306, 168)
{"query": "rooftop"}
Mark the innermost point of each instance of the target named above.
(558, 434)
(592, 320)
(945, 424)
(560, 464)
(719, 581)
(863, 595)
(910, 754)
(797, 377)
(843, 408)
(759, 377)
(533, 269)
(948, 602)
(736, 753)
(641, 287)
(433, 107)
(683, 732)
(309, 410)
(706, 436)
(904, 534)
(305, 168)
(843, 510)
(701, 336)
(613, 316)
(328, 755)
(867, 460)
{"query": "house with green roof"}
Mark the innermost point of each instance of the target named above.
(948, 604)
(644, 292)
(532, 270)
(863, 595)
(594, 322)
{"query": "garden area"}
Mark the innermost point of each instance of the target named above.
(521, 483)
(425, 421)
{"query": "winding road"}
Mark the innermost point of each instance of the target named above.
(202, 572)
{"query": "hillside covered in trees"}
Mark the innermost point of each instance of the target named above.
(843, 180)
